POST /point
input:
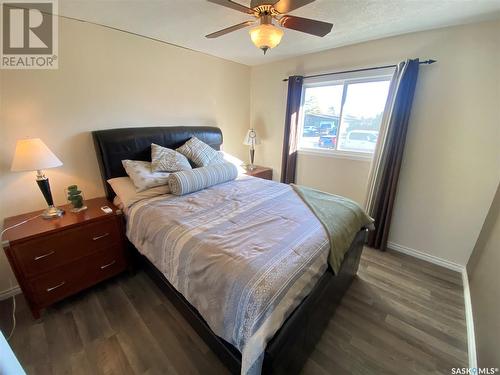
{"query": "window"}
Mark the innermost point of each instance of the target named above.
(343, 116)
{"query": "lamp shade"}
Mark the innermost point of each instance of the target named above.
(32, 155)
(251, 138)
(266, 36)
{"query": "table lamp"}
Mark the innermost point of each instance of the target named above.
(33, 155)
(251, 140)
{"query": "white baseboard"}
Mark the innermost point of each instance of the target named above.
(424, 256)
(4, 294)
(469, 319)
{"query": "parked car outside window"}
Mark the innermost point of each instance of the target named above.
(361, 140)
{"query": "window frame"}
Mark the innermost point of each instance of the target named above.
(343, 79)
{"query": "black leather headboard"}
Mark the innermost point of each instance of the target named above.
(114, 145)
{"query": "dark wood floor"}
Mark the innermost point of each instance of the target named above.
(400, 316)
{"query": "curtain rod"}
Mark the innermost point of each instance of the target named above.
(427, 62)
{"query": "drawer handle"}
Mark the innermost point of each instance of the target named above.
(55, 287)
(99, 237)
(44, 255)
(108, 265)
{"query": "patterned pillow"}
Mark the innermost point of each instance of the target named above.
(200, 153)
(142, 176)
(167, 160)
(185, 182)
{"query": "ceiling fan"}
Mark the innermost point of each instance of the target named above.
(266, 35)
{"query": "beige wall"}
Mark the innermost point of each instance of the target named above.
(108, 79)
(451, 164)
(346, 177)
(484, 281)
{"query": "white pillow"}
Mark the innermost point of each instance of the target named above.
(200, 153)
(238, 163)
(142, 176)
(164, 159)
(127, 194)
(118, 202)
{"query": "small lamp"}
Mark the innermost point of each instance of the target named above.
(33, 155)
(251, 140)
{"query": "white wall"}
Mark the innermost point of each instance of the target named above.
(451, 165)
(108, 79)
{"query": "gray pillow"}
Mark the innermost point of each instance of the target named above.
(185, 182)
(164, 159)
(200, 153)
(141, 175)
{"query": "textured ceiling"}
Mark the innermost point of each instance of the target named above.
(185, 22)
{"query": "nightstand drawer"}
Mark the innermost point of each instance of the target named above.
(77, 276)
(43, 254)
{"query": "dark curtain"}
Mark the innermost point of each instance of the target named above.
(289, 159)
(382, 201)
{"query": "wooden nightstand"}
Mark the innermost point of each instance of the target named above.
(55, 258)
(261, 172)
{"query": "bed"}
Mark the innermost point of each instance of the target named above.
(305, 314)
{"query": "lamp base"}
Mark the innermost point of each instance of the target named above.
(251, 166)
(52, 212)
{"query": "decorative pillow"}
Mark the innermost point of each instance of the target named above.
(185, 182)
(142, 176)
(200, 153)
(127, 194)
(164, 159)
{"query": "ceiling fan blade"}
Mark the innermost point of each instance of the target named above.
(231, 4)
(285, 6)
(227, 30)
(306, 25)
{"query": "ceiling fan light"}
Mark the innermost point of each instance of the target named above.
(266, 36)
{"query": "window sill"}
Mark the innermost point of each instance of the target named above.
(361, 156)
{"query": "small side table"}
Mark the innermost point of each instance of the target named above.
(261, 172)
(53, 259)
